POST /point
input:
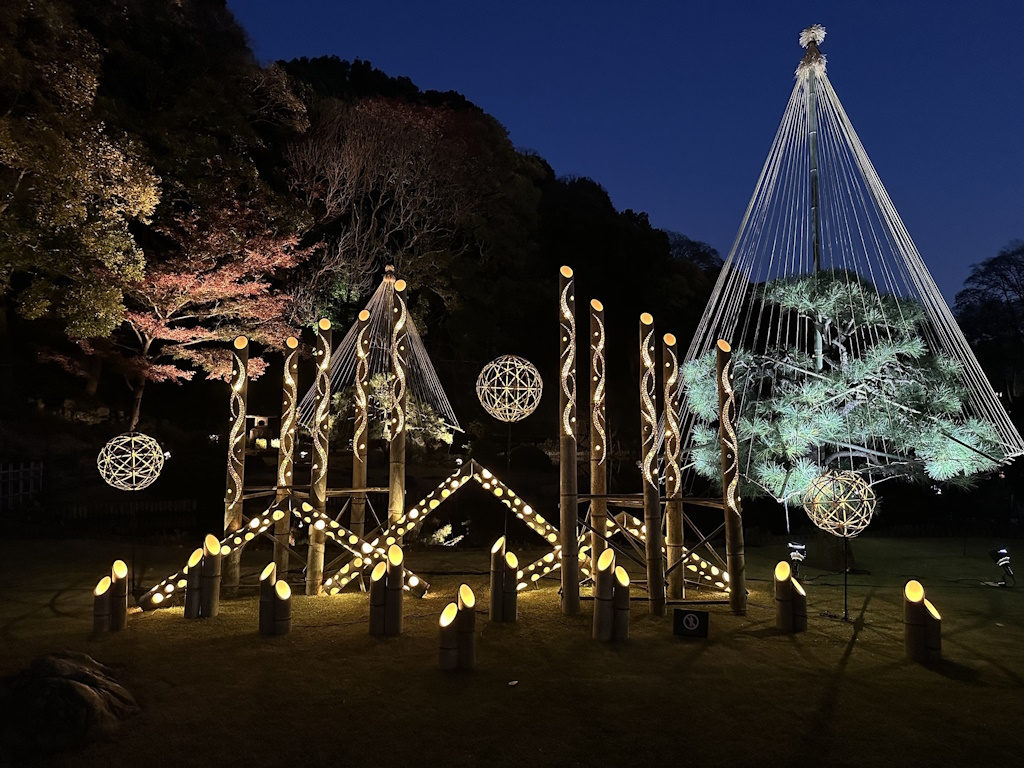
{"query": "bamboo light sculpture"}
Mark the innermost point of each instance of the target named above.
(360, 435)
(318, 479)
(598, 434)
(604, 589)
(193, 584)
(620, 604)
(268, 597)
(922, 625)
(282, 608)
(118, 596)
(378, 599)
(466, 623)
(510, 588)
(235, 484)
(210, 579)
(497, 577)
(399, 395)
(649, 469)
(790, 601)
(567, 441)
(673, 479)
(448, 642)
(734, 554)
(286, 452)
(395, 583)
(101, 606)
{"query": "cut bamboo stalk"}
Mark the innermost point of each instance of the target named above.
(673, 477)
(915, 617)
(448, 642)
(318, 472)
(101, 606)
(799, 606)
(282, 608)
(378, 597)
(118, 596)
(268, 579)
(497, 577)
(235, 484)
(209, 597)
(286, 453)
(604, 589)
(649, 469)
(933, 633)
(783, 597)
(193, 584)
(620, 602)
(510, 588)
(361, 432)
(567, 442)
(466, 623)
(734, 554)
(399, 396)
(598, 434)
(395, 589)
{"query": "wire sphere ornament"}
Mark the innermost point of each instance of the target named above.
(509, 388)
(841, 503)
(131, 462)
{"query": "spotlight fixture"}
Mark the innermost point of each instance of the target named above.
(1002, 558)
(797, 554)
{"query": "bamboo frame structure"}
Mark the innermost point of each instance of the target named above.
(604, 588)
(318, 479)
(235, 483)
(394, 583)
(210, 578)
(268, 598)
(286, 451)
(282, 608)
(567, 441)
(620, 604)
(193, 584)
(101, 606)
(674, 549)
(361, 432)
(118, 596)
(598, 433)
(378, 598)
(399, 396)
(466, 623)
(448, 638)
(497, 577)
(734, 553)
(649, 469)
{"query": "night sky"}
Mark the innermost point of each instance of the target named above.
(672, 106)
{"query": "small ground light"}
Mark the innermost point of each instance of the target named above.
(797, 554)
(1002, 558)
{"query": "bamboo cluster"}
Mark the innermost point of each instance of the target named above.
(922, 625)
(504, 583)
(275, 617)
(387, 587)
(203, 580)
(110, 600)
(457, 638)
(790, 601)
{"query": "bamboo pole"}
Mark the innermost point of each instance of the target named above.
(318, 478)
(649, 469)
(399, 396)
(268, 599)
(360, 435)
(799, 606)
(915, 618)
(673, 476)
(783, 597)
(734, 553)
(567, 442)
(933, 633)
(466, 623)
(286, 453)
(282, 608)
(118, 596)
(101, 606)
(235, 484)
(620, 604)
(510, 588)
(604, 589)
(193, 584)
(209, 597)
(497, 577)
(598, 434)
(378, 598)
(395, 583)
(448, 641)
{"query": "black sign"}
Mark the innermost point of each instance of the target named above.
(687, 623)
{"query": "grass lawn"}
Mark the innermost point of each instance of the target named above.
(213, 692)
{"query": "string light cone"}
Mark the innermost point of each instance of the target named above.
(841, 503)
(509, 388)
(131, 462)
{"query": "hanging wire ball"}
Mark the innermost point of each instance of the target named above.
(841, 503)
(131, 462)
(509, 388)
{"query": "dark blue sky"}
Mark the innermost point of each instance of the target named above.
(672, 106)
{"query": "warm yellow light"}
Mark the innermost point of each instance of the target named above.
(448, 614)
(400, 285)
(798, 587)
(269, 572)
(120, 569)
(597, 305)
(414, 581)
(512, 560)
(102, 586)
(291, 342)
(395, 555)
(378, 571)
(724, 345)
(621, 576)
(283, 590)
(606, 560)
(565, 272)
(211, 544)
(324, 324)
(466, 596)
(319, 525)
(158, 598)
(306, 507)
(241, 342)
(646, 318)
(932, 610)
(364, 315)
(782, 571)
(669, 339)
(498, 545)
(196, 558)
(914, 592)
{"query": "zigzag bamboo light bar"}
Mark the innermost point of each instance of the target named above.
(236, 452)
(567, 439)
(286, 450)
(361, 431)
(318, 479)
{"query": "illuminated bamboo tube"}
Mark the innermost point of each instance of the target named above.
(399, 397)
(448, 640)
(567, 441)
(286, 453)
(101, 606)
(268, 579)
(649, 469)
(497, 577)
(933, 633)
(378, 598)
(466, 623)
(915, 618)
(318, 476)
(734, 554)
(282, 608)
(193, 584)
(604, 591)
(361, 431)
(620, 604)
(598, 433)
(783, 597)
(395, 589)
(510, 588)
(673, 477)
(209, 597)
(235, 484)
(799, 606)
(118, 596)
